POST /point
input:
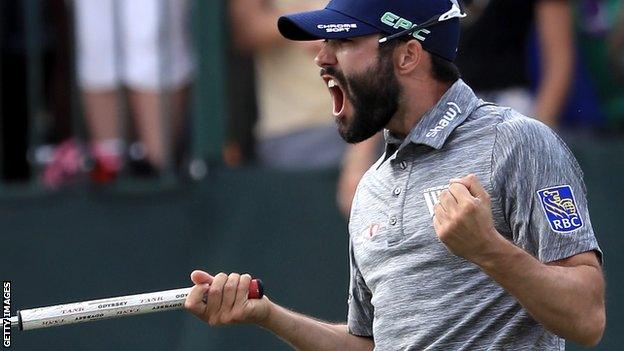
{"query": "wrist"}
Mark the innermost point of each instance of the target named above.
(494, 253)
(266, 319)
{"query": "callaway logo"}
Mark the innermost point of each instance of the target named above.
(337, 28)
(452, 112)
(397, 22)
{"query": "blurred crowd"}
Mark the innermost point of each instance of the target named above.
(128, 69)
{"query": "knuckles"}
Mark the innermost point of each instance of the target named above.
(229, 287)
(232, 282)
(472, 179)
(241, 288)
(224, 319)
(214, 293)
(487, 198)
(470, 207)
(214, 314)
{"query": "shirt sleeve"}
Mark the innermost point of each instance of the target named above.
(361, 311)
(540, 187)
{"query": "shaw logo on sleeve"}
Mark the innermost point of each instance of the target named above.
(561, 209)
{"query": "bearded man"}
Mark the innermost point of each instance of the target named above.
(471, 232)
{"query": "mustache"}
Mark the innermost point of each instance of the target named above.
(338, 75)
(331, 71)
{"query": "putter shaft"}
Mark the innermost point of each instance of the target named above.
(122, 306)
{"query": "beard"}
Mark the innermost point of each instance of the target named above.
(374, 95)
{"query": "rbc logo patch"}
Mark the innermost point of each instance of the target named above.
(560, 208)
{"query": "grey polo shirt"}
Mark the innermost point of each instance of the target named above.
(407, 291)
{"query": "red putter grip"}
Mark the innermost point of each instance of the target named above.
(256, 289)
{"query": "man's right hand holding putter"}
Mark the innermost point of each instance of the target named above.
(222, 300)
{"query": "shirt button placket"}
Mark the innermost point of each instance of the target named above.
(396, 234)
(393, 220)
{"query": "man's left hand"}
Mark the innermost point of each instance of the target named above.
(463, 220)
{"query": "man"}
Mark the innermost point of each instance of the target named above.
(501, 257)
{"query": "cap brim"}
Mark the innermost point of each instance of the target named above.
(322, 24)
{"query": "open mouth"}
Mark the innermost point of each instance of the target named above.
(338, 96)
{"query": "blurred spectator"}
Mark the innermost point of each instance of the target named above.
(493, 53)
(600, 27)
(295, 129)
(143, 46)
(53, 40)
(242, 109)
(14, 91)
(617, 45)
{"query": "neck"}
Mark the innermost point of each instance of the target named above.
(419, 96)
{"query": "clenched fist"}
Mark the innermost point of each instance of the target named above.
(223, 299)
(463, 220)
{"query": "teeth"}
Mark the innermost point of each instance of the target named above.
(331, 83)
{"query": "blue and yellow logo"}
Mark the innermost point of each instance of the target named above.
(560, 208)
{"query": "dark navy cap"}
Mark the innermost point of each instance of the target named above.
(353, 18)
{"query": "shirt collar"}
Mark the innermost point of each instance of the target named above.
(436, 126)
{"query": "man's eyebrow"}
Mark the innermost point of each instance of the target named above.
(338, 40)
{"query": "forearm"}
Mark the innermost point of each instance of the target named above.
(566, 300)
(305, 333)
(554, 23)
(552, 95)
(254, 26)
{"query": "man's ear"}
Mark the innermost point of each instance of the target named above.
(408, 57)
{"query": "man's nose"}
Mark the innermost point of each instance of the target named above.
(325, 56)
